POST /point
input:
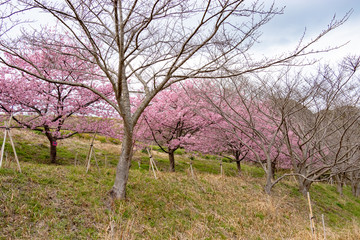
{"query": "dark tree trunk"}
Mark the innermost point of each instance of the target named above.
(52, 152)
(53, 144)
(172, 159)
(118, 190)
(237, 155)
(238, 165)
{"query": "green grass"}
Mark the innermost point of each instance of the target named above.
(339, 210)
(63, 202)
(45, 197)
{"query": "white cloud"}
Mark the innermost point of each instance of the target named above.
(284, 31)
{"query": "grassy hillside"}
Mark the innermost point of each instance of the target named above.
(63, 202)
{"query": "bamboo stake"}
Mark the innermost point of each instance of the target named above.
(312, 222)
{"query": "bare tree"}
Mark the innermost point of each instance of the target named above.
(317, 125)
(346, 142)
(148, 45)
(355, 179)
(244, 108)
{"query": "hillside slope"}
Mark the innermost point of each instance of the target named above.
(63, 202)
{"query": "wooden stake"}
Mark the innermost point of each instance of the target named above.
(88, 158)
(311, 229)
(191, 169)
(312, 221)
(76, 155)
(7, 132)
(221, 166)
(152, 166)
(3, 147)
(323, 223)
(96, 161)
(13, 147)
(152, 163)
(155, 165)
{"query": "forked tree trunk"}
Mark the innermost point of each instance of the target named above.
(172, 159)
(304, 185)
(118, 190)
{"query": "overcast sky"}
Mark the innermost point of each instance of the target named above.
(284, 31)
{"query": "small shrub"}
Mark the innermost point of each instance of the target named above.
(102, 139)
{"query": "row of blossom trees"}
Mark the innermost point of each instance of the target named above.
(309, 124)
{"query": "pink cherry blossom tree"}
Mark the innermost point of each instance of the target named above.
(220, 139)
(52, 108)
(170, 120)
